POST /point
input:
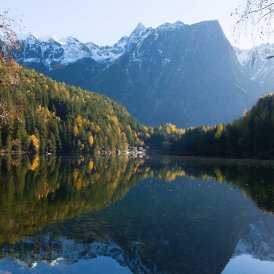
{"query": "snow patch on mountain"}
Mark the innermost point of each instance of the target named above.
(258, 64)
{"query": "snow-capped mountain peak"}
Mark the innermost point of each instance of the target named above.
(49, 38)
(139, 28)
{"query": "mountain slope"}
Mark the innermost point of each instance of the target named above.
(184, 74)
(258, 66)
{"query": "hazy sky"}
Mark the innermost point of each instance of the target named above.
(105, 21)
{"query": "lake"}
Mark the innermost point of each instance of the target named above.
(86, 214)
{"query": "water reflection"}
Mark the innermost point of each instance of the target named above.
(163, 215)
(38, 192)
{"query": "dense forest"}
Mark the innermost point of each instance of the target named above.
(40, 115)
(251, 136)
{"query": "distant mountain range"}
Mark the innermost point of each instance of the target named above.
(258, 64)
(185, 74)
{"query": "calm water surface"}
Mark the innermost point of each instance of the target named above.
(118, 215)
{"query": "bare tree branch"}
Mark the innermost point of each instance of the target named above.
(8, 45)
(255, 16)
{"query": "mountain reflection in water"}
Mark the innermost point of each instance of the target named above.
(156, 215)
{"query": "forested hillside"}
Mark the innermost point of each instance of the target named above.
(39, 115)
(250, 136)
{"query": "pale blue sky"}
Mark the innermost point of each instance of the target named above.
(105, 21)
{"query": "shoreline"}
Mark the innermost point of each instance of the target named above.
(151, 155)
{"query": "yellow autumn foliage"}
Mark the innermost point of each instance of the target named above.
(75, 131)
(219, 131)
(35, 164)
(78, 183)
(90, 165)
(114, 119)
(97, 129)
(79, 121)
(90, 140)
(170, 128)
(75, 174)
(35, 141)
(219, 175)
